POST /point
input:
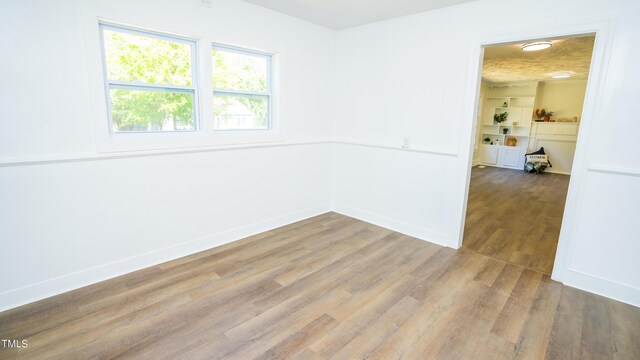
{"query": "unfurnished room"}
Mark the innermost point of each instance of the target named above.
(252, 179)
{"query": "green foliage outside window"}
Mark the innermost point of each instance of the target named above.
(144, 60)
(236, 71)
(134, 61)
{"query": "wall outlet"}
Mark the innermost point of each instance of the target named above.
(405, 143)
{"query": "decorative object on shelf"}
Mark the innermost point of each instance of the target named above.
(567, 119)
(505, 131)
(511, 141)
(500, 118)
(487, 140)
(504, 104)
(543, 114)
(515, 123)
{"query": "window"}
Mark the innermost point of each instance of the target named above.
(150, 81)
(241, 89)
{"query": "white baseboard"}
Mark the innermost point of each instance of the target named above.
(551, 171)
(396, 225)
(58, 285)
(607, 288)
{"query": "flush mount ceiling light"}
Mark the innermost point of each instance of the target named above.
(535, 46)
(561, 75)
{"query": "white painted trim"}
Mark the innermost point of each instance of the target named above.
(40, 160)
(64, 158)
(614, 170)
(58, 285)
(387, 147)
(603, 26)
(605, 287)
(551, 171)
(419, 232)
(604, 30)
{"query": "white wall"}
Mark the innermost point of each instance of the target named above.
(68, 223)
(564, 98)
(409, 77)
(375, 184)
(65, 224)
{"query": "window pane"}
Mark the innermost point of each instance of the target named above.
(240, 112)
(132, 57)
(233, 71)
(139, 110)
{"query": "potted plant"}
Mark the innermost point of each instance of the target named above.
(505, 131)
(500, 118)
(487, 140)
(543, 114)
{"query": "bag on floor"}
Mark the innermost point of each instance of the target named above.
(536, 162)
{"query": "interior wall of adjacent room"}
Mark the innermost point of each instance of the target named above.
(65, 224)
(564, 97)
(408, 77)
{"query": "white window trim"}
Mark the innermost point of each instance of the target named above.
(105, 143)
(232, 92)
(132, 85)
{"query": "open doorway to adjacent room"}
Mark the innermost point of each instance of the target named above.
(531, 101)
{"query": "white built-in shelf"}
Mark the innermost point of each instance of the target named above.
(517, 102)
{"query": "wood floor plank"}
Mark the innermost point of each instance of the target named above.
(297, 342)
(379, 330)
(515, 216)
(510, 322)
(536, 332)
(333, 287)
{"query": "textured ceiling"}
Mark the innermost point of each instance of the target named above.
(508, 63)
(342, 14)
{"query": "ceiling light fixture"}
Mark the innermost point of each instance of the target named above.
(535, 46)
(561, 75)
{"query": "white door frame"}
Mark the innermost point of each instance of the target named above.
(603, 28)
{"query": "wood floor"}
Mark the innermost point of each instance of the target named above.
(329, 287)
(515, 216)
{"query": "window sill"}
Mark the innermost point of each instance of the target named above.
(169, 141)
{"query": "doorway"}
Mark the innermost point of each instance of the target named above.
(529, 101)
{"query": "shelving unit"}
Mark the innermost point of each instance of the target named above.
(519, 110)
(517, 102)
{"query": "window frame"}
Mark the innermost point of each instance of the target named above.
(268, 94)
(140, 86)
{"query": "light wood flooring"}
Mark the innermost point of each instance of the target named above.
(329, 287)
(515, 216)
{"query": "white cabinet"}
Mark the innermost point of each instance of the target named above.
(509, 157)
(554, 128)
(503, 156)
(490, 154)
(566, 129)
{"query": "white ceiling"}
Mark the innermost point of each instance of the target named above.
(508, 63)
(342, 14)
